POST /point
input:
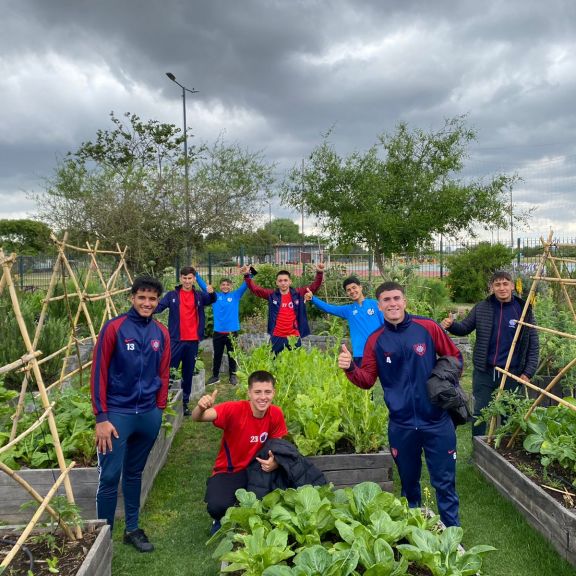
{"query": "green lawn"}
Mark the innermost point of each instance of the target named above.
(176, 520)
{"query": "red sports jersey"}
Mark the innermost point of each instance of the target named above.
(244, 434)
(188, 316)
(286, 324)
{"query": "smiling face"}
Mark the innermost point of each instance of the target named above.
(145, 302)
(260, 395)
(392, 303)
(502, 289)
(225, 286)
(187, 281)
(354, 292)
(283, 281)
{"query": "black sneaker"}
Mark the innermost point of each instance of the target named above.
(139, 540)
(213, 380)
(233, 380)
(186, 411)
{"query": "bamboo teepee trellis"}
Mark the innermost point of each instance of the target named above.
(547, 258)
(31, 361)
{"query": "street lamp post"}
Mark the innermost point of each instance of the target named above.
(186, 175)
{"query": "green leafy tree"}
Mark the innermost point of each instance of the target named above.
(470, 270)
(24, 237)
(128, 187)
(284, 229)
(401, 193)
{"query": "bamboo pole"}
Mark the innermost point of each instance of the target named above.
(538, 389)
(39, 381)
(69, 375)
(519, 325)
(553, 279)
(563, 259)
(94, 263)
(20, 362)
(29, 430)
(551, 385)
(548, 330)
(37, 515)
(105, 295)
(563, 285)
(38, 497)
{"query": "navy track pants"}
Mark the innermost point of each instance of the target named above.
(185, 351)
(137, 434)
(439, 446)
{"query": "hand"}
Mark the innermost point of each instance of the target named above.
(308, 295)
(270, 464)
(320, 267)
(447, 322)
(245, 269)
(524, 377)
(344, 358)
(104, 432)
(207, 401)
(210, 289)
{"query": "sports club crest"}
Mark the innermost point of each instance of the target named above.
(155, 345)
(420, 349)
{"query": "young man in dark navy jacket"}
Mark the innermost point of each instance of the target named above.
(494, 320)
(286, 306)
(129, 385)
(402, 354)
(186, 326)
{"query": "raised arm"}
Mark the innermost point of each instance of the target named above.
(340, 311)
(202, 285)
(254, 288)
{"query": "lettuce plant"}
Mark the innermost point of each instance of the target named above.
(324, 412)
(315, 531)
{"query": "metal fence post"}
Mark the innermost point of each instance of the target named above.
(441, 257)
(241, 255)
(370, 263)
(209, 267)
(177, 268)
(20, 261)
(518, 253)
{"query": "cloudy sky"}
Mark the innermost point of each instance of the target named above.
(275, 75)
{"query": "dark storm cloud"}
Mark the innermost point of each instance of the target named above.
(277, 75)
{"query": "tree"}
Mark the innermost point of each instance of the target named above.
(24, 237)
(127, 187)
(398, 202)
(470, 270)
(284, 230)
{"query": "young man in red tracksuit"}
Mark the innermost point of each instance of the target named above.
(186, 326)
(402, 355)
(286, 306)
(247, 425)
(129, 385)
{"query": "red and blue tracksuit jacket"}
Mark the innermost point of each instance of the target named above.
(130, 366)
(402, 356)
(171, 300)
(274, 298)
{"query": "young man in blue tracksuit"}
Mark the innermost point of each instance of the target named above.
(363, 315)
(402, 354)
(226, 312)
(129, 386)
(186, 326)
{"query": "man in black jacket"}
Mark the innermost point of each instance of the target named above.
(494, 320)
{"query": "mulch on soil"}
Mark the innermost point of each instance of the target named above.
(44, 549)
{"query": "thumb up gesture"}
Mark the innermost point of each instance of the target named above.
(345, 358)
(208, 400)
(308, 295)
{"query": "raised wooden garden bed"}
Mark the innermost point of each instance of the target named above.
(555, 522)
(350, 469)
(97, 561)
(84, 480)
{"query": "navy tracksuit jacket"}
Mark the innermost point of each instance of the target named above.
(402, 356)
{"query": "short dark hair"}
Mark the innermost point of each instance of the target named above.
(351, 280)
(225, 280)
(261, 376)
(187, 270)
(146, 282)
(500, 275)
(387, 286)
(283, 273)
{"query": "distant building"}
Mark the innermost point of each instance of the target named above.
(297, 253)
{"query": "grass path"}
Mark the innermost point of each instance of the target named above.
(176, 520)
